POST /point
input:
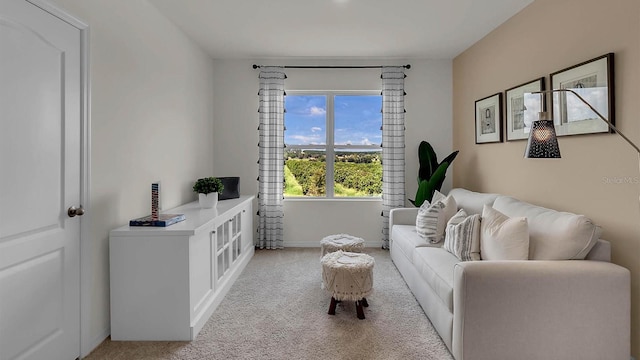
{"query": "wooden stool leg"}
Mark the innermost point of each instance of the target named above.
(359, 309)
(364, 302)
(332, 306)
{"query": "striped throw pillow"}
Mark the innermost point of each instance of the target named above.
(462, 237)
(427, 221)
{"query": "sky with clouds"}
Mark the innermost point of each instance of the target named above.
(357, 119)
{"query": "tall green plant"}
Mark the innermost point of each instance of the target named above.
(431, 174)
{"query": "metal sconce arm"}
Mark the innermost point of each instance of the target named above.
(595, 111)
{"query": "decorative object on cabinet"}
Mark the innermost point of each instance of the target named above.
(166, 282)
(593, 80)
(162, 220)
(521, 111)
(489, 119)
(157, 219)
(208, 189)
(231, 188)
(155, 200)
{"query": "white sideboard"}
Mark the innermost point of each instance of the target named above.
(167, 281)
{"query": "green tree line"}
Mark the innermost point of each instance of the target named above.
(364, 177)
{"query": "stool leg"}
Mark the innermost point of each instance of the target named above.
(359, 310)
(332, 306)
(364, 302)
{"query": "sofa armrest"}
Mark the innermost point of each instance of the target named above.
(601, 251)
(576, 309)
(403, 216)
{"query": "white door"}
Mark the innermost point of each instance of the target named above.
(40, 124)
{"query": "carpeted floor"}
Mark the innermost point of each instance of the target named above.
(277, 310)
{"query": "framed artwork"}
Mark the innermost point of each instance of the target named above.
(593, 80)
(521, 110)
(489, 119)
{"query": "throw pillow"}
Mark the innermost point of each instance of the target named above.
(462, 237)
(428, 219)
(450, 208)
(503, 238)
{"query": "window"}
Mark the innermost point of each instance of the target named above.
(333, 144)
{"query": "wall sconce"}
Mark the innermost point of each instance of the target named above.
(543, 142)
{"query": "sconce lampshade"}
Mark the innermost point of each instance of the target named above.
(543, 142)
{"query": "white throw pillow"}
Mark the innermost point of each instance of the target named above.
(428, 220)
(502, 237)
(462, 237)
(450, 208)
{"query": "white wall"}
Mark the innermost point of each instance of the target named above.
(151, 115)
(429, 115)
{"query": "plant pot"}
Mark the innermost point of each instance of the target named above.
(208, 201)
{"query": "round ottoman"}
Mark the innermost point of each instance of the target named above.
(348, 276)
(344, 242)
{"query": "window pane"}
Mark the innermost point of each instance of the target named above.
(358, 119)
(305, 120)
(305, 173)
(357, 173)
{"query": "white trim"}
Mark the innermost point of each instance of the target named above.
(333, 199)
(87, 343)
(330, 152)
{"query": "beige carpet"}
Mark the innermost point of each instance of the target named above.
(277, 310)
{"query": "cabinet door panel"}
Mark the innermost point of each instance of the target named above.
(200, 269)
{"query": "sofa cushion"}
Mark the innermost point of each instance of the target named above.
(502, 237)
(472, 202)
(405, 238)
(430, 221)
(462, 237)
(450, 207)
(553, 235)
(435, 266)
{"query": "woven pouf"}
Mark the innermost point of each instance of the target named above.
(344, 242)
(348, 276)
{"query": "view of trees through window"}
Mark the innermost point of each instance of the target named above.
(344, 128)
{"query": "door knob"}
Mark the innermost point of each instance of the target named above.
(73, 211)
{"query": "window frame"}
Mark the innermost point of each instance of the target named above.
(330, 138)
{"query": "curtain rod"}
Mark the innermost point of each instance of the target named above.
(408, 66)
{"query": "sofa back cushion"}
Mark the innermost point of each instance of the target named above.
(553, 235)
(472, 202)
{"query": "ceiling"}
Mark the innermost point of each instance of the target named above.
(262, 29)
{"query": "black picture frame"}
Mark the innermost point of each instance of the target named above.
(594, 81)
(521, 110)
(488, 119)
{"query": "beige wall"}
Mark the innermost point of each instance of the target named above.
(547, 36)
(428, 104)
(151, 117)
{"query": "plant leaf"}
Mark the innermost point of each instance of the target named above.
(422, 193)
(451, 157)
(428, 160)
(427, 188)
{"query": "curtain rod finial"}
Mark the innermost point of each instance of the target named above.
(408, 66)
(255, 66)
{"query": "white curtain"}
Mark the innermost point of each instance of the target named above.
(271, 162)
(393, 193)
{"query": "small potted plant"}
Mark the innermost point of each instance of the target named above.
(208, 189)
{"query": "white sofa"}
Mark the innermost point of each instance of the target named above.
(527, 309)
